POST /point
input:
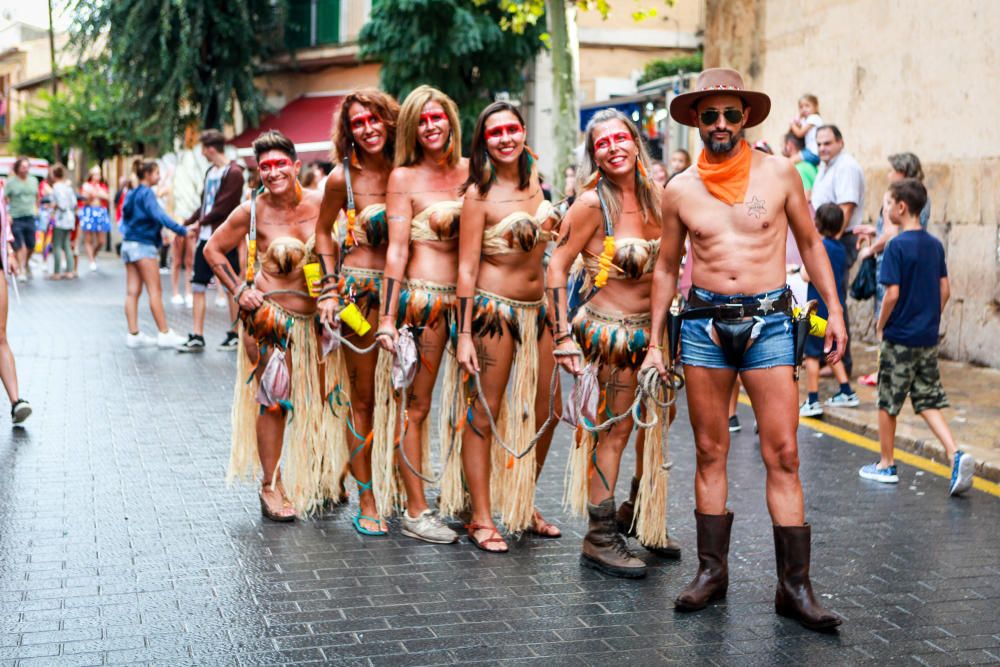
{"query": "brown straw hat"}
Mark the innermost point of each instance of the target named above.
(713, 82)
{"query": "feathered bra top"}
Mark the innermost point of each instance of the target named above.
(520, 231)
(371, 228)
(632, 258)
(437, 222)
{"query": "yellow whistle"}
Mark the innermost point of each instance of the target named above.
(817, 325)
(352, 317)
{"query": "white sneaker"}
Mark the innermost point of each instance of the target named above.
(189, 301)
(169, 340)
(93, 267)
(428, 527)
(134, 341)
(221, 301)
(177, 300)
(844, 401)
(808, 409)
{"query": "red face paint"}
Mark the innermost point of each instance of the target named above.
(363, 121)
(267, 166)
(432, 118)
(509, 129)
(606, 141)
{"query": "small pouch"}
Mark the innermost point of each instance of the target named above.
(583, 398)
(404, 366)
(735, 337)
(275, 384)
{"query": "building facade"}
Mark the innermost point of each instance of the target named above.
(895, 76)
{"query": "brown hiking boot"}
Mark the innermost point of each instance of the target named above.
(712, 579)
(626, 512)
(794, 596)
(604, 549)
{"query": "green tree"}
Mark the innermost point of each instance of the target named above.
(657, 69)
(521, 15)
(183, 60)
(454, 45)
(90, 113)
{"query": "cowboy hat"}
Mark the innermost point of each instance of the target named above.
(713, 82)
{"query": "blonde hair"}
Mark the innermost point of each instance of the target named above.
(408, 149)
(811, 99)
(647, 192)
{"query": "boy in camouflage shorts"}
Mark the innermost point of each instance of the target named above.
(916, 279)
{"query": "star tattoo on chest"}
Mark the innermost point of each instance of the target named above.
(755, 207)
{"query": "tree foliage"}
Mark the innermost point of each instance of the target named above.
(454, 45)
(657, 69)
(90, 113)
(182, 60)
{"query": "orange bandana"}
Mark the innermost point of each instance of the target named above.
(727, 181)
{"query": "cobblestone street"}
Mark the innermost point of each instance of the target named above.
(121, 543)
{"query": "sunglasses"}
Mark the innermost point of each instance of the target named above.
(732, 116)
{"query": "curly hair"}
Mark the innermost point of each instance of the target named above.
(382, 105)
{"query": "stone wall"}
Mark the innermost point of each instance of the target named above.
(894, 75)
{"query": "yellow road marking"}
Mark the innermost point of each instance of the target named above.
(908, 458)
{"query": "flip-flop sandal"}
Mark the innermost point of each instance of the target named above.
(272, 516)
(538, 526)
(481, 544)
(356, 520)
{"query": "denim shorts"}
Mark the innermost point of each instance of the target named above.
(23, 231)
(133, 251)
(773, 346)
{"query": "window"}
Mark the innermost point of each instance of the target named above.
(312, 23)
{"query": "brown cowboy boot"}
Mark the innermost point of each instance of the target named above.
(794, 596)
(623, 518)
(712, 579)
(604, 549)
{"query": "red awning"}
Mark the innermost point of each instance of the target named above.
(307, 121)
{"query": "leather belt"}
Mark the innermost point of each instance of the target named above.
(737, 309)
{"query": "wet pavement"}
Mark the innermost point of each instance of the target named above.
(120, 543)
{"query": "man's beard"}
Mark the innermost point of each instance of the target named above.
(720, 147)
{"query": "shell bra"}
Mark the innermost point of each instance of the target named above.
(519, 232)
(437, 222)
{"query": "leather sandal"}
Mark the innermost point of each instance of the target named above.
(270, 514)
(494, 537)
(539, 526)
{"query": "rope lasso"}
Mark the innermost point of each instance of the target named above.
(553, 385)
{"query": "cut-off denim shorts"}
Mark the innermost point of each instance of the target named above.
(133, 251)
(773, 346)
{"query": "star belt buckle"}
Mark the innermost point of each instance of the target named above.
(767, 304)
(732, 311)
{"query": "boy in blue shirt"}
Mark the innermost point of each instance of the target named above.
(916, 280)
(829, 222)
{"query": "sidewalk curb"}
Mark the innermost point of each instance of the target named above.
(930, 449)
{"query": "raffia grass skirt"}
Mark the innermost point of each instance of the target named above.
(617, 341)
(310, 451)
(422, 304)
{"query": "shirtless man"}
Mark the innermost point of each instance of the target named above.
(737, 206)
(285, 220)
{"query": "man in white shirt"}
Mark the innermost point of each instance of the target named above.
(840, 181)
